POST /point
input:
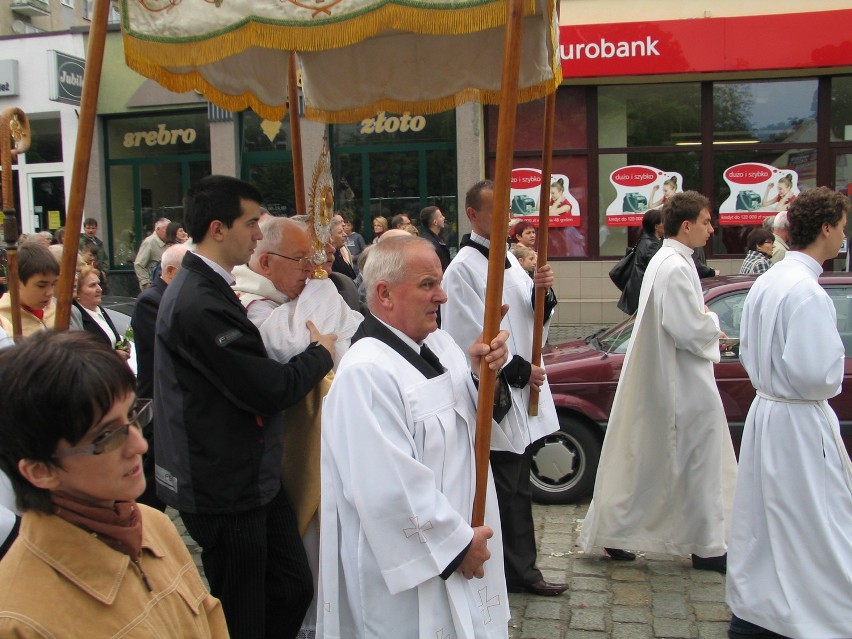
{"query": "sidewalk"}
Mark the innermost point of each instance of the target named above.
(654, 597)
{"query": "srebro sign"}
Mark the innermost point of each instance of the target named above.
(706, 45)
(66, 77)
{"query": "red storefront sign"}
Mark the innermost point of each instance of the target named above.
(704, 45)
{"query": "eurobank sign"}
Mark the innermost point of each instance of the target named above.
(707, 45)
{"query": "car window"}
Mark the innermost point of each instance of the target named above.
(729, 308)
(841, 296)
(616, 339)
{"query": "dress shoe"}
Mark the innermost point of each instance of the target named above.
(620, 555)
(541, 587)
(719, 564)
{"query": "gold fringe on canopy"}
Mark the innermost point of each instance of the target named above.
(313, 35)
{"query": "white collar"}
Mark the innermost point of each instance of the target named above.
(218, 268)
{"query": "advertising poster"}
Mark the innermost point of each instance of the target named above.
(526, 189)
(639, 188)
(757, 190)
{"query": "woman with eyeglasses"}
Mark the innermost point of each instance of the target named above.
(88, 561)
(758, 259)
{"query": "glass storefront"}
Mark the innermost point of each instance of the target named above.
(151, 162)
(688, 135)
(267, 161)
(392, 164)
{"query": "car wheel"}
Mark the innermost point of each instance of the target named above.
(564, 464)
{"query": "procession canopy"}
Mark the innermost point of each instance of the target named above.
(357, 56)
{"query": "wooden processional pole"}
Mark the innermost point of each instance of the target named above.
(543, 221)
(497, 253)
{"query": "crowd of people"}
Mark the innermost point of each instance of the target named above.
(311, 416)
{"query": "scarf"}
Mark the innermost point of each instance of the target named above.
(38, 312)
(119, 527)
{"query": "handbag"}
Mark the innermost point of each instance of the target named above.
(620, 273)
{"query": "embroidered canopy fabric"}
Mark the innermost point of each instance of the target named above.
(357, 56)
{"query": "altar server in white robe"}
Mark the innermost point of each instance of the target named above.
(462, 317)
(790, 555)
(667, 469)
(398, 556)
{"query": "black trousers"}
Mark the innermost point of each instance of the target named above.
(514, 497)
(256, 565)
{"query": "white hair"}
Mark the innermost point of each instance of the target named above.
(173, 256)
(388, 262)
(781, 222)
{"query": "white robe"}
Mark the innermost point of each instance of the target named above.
(397, 493)
(790, 555)
(667, 469)
(285, 333)
(462, 316)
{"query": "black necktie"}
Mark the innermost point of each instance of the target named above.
(431, 359)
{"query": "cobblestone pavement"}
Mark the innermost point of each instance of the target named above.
(654, 597)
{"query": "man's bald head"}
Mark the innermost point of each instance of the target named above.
(171, 261)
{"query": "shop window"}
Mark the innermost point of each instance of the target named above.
(666, 172)
(776, 111)
(649, 115)
(264, 135)
(46, 140)
(569, 127)
(841, 109)
(122, 216)
(797, 166)
(568, 235)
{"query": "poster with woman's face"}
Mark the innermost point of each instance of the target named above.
(563, 208)
(756, 191)
(638, 189)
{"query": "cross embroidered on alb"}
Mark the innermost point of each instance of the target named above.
(418, 529)
(485, 604)
(441, 635)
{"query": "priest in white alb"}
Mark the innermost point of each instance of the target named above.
(790, 555)
(398, 555)
(666, 475)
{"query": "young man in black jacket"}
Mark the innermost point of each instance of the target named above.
(218, 423)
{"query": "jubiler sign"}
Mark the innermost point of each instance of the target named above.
(66, 77)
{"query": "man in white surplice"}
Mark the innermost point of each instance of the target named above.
(398, 556)
(790, 555)
(667, 469)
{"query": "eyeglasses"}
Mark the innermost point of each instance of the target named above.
(304, 262)
(110, 440)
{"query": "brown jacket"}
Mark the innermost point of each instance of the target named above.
(60, 581)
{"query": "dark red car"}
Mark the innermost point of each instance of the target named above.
(583, 376)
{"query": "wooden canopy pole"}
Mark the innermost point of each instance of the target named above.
(296, 136)
(82, 156)
(497, 252)
(543, 221)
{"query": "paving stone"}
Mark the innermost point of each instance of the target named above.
(670, 605)
(707, 576)
(589, 618)
(629, 574)
(590, 566)
(665, 567)
(713, 630)
(630, 614)
(543, 610)
(707, 592)
(631, 631)
(711, 612)
(582, 599)
(594, 584)
(674, 628)
(582, 634)
(669, 583)
(631, 594)
(538, 629)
